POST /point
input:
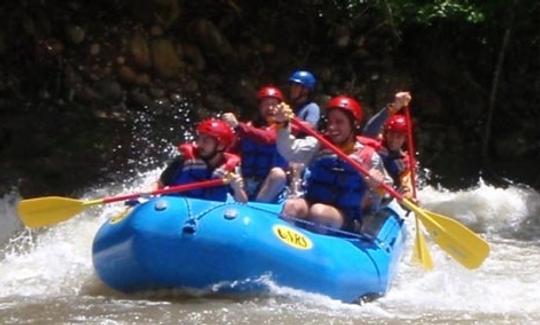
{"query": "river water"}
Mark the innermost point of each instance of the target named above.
(46, 275)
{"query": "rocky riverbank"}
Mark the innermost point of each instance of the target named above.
(94, 91)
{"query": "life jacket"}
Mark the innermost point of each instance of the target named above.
(195, 169)
(300, 111)
(334, 182)
(367, 141)
(258, 158)
(395, 162)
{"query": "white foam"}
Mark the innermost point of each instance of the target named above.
(57, 260)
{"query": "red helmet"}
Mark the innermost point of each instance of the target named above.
(217, 129)
(270, 91)
(348, 104)
(397, 123)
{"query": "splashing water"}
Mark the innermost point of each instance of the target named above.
(52, 267)
(513, 212)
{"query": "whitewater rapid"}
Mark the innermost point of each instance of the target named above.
(54, 266)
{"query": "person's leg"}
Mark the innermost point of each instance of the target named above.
(326, 215)
(272, 185)
(297, 208)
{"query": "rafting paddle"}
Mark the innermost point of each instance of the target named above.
(420, 250)
(458, 241)
(49, 210)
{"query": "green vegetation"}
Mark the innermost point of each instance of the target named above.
(77, 77)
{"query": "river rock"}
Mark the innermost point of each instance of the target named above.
(156, 31)
(191, 86)
(140, 98)
(127, 74)
(167, 11)
(166, 61)
(211, 39)
(110, 91)
(216, 102)
(95, 48)
(193, 54)
(343, 36)
(157, 92)
(143, 79)
(139, 49)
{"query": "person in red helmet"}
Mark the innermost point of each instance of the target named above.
(206, 159)
(263, 168)
(392, 130)
(375, 125)
(334, 191)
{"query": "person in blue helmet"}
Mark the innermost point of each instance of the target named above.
(302, 84)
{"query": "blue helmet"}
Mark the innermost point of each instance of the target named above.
(303, 77)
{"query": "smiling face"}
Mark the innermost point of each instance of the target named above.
(339, 129)
(394, 140)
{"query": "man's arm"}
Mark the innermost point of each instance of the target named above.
(169, 174)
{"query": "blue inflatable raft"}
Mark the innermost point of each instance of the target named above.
(178, 242)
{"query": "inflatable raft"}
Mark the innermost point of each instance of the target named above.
(178, 242)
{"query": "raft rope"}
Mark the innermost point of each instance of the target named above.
(190, 225)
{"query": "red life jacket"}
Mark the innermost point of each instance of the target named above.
(370, 142)
(195, 169)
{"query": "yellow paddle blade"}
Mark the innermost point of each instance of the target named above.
(420, 252)
(49, 210)
(455, 239)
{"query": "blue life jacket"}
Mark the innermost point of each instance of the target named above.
(195, 169)
(334, 182)
(395, 163)
(258, 158)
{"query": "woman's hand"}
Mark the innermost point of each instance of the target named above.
(283, 113)
(402, 99)
(230, 119)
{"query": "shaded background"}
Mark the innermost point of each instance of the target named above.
(94, 91)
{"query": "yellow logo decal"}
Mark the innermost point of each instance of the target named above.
(119, 217)
(292, 237)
